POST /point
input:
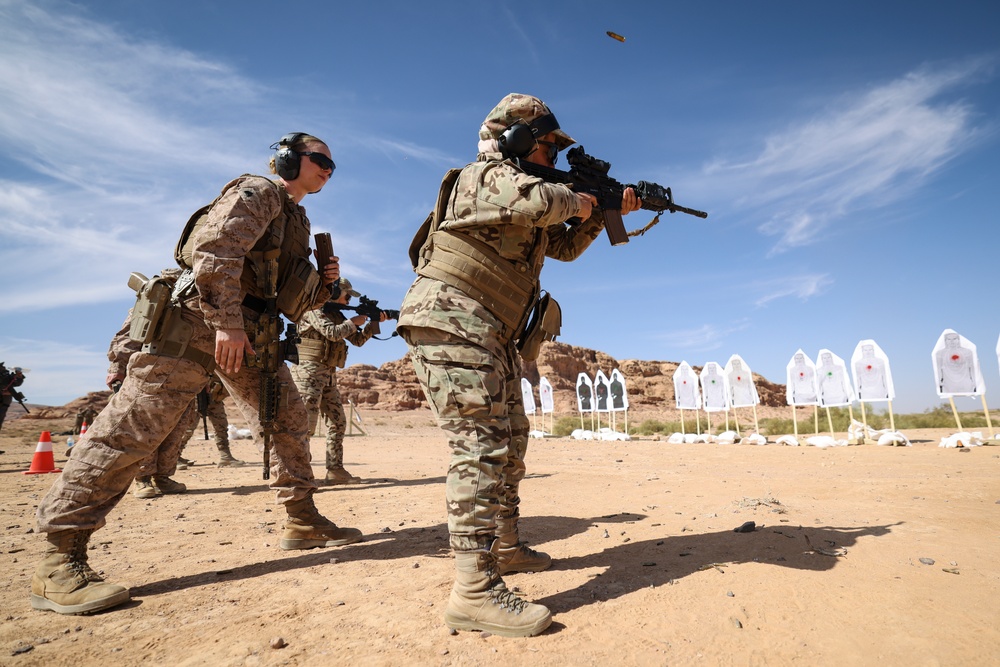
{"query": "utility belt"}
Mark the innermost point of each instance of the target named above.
(509, 291)
(157, 320)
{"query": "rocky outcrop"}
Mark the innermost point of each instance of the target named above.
(394, 386)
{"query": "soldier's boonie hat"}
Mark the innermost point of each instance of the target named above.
(517, 107)
(17, 369)
(346, 288)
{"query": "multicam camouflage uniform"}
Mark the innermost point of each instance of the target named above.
(464, 355)
(106, 460)
(316, 373)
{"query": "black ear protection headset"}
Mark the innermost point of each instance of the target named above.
(286, 160)
(520, 139)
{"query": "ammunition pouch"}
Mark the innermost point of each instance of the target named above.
(545, 324)
(298, 289)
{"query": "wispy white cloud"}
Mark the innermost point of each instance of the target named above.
(115, 140)
(802, 287)
(866, 150)
(704, 338)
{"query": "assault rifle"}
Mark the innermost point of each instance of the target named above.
(589, 174)
(367, 307)
(19, 397)
(270, 354)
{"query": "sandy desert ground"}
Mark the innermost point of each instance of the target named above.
(863, 555)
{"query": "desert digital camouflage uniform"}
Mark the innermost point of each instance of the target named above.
(317, 379)
(161, 462)
(467, 364)
(158, 389)
(216, 414)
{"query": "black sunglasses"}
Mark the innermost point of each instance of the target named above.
(552, 149)
(320, 160)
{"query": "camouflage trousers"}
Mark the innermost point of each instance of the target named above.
(317, 384)
(163, 460)
(476, 397)
(220, 425)
(156, 392)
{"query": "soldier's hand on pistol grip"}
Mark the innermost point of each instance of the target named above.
(359, 320)
(230, 345)
(587, 203)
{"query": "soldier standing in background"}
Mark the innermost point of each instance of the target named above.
(84, 415)
(477, 282)
(255, 228)
(322, 350)
(8, 381)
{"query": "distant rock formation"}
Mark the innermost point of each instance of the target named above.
(394, 386)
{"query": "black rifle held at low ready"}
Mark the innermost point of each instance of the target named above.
(367, 307)
(590, 175)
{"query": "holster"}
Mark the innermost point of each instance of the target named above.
(545, 324)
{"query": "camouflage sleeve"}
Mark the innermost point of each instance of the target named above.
(566, 243)
(361, 336)
(497, 193)
(329, 329)
(122, 348)
(238, 219)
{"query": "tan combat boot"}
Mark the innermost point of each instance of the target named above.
(480, 600)
(306, 528)
(65, 583)
(144, 488)
(337, 475)
(164, 484)
(227, 460)
(513, 555)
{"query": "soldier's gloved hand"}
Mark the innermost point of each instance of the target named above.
(230, 344)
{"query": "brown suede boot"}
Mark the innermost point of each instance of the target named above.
(144, 488)
(337, 475)
(164, 484)
(480, 600)
(227, 460)
(513, 555)
(65, 583)
(306, 528)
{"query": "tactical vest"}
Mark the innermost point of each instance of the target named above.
(314, 346)
(285, 241)
(508, 289)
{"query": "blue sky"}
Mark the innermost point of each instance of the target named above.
(847, 154)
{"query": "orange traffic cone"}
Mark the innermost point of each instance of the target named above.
(83, 429)
(42, 461)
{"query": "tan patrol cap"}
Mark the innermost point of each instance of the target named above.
(346, 288)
